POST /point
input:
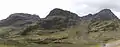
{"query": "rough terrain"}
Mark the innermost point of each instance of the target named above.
(60, 28)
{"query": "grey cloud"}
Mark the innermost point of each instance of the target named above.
(96, 5)
(103, 3)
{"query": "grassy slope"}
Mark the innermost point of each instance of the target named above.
(78, 35)
(2, 45)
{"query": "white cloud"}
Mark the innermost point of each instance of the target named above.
(40, 7)
(93, 6)
(43, 7)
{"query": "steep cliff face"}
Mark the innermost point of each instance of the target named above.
(59, 18)
(105, 14)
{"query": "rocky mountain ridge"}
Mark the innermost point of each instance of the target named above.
(19, 19)
(57, 14)
(105, 14)
(60, 28)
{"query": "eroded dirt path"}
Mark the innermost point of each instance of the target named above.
(113, 44)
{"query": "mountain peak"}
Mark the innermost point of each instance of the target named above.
(23, 15)
(105, 14)
(57, 12)
(58, 18)
(87, 17)
(18, 19)
(57, 9)
(107, 10)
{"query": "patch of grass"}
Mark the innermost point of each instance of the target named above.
(3, 45)
(4, 29)
(95, 46)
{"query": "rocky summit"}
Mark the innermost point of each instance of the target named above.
(60, 28)
(105, 14)
(62, 13)
(19, 19)
(59, 18)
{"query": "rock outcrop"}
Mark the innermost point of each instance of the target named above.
(59, 18)
(19, 19)
(88, 17)
(62, 13)
(105, 14)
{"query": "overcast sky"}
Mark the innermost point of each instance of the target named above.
(43, 7)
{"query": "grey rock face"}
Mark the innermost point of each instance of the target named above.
(59, 18)
(19, 19)
(62, 13)
(88, 17)
(105, 14)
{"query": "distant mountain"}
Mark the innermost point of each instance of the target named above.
(60, 28)
(59, 18)
(19, 19)
(88, 17)
(105, 14)
(62, 13)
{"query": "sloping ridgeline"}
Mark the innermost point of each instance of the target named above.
(60, 28)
